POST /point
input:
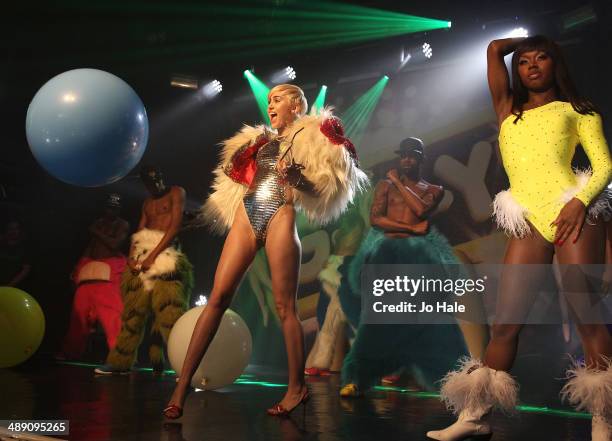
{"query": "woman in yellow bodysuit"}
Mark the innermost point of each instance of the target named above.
(548, 210)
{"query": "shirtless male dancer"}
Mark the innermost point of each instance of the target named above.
(158, 279)
(400, 234)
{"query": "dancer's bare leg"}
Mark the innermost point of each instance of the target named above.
(589, 249)
(284, 253)
(238, 253)
(515, 297)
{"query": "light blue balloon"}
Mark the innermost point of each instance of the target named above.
(87, 127)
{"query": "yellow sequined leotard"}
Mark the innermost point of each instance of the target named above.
(537, 153)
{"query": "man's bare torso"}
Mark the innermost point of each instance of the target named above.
(398, 210)
(158, 212)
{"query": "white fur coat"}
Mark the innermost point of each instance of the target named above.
(335, 175)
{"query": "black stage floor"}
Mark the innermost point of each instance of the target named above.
(129, 408)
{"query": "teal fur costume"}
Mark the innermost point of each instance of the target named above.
(428, 351)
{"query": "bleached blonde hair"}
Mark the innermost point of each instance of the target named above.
(295, 93)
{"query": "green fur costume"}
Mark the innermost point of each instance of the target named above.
(167, 300)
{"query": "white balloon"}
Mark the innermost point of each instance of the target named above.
(227, 355)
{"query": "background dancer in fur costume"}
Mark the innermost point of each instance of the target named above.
(545, 211)
(400, 234)
(329, 348)
(263, 177)
(98, 278)
(158, 280)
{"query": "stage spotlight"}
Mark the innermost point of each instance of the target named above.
(427, 50)
(518, 33)
(284, 75)
(202, 300)
(290, 72)
(212, 89)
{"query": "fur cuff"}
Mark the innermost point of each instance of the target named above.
(582, 179)
(509, 215)
(477, 389)
(589, 389)
(600, 207)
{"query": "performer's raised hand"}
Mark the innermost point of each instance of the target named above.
(393, 175)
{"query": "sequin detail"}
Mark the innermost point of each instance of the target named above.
(537, 155)
(266, 193)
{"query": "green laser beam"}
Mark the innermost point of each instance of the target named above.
(305, 9)
(357, 117)
(206, 32)
(319, 102)
(522, 408)
(261, 45)
(555, 412)
(259, 383)
(260, 91)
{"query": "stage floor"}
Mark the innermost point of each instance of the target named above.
(129, 407)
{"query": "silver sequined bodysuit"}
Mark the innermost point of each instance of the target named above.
(266, 193)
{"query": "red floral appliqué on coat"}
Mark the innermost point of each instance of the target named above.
(333, 129)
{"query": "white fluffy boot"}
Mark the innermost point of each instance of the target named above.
(472, 392)
(591, 390)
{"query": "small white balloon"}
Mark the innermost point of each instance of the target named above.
(227, 356)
